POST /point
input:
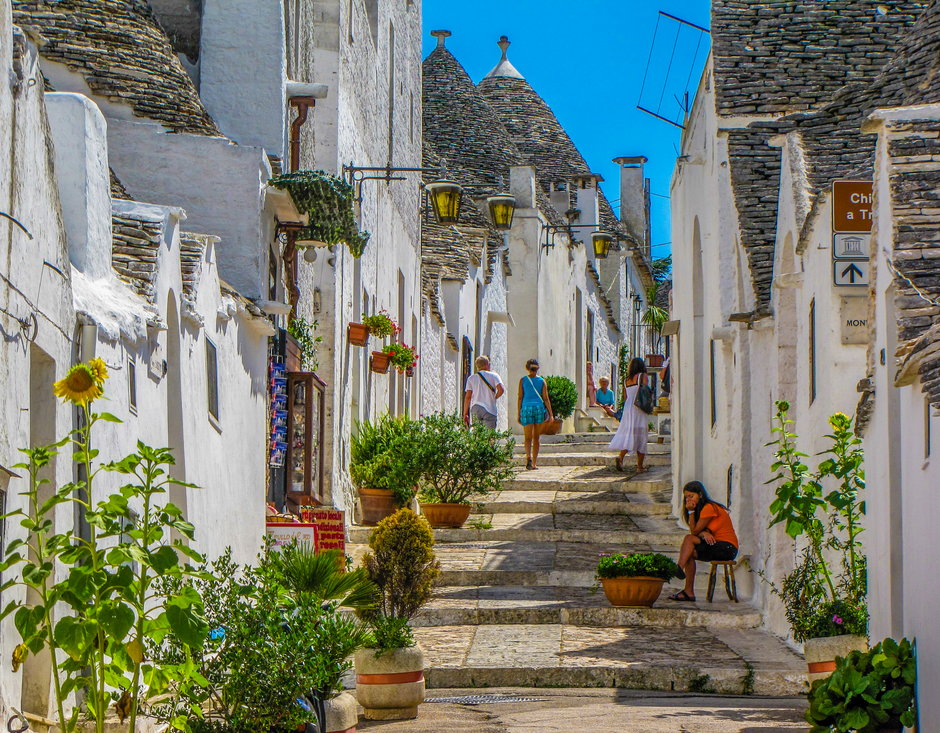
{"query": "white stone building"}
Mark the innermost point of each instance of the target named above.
(760, 318)
(505, 294)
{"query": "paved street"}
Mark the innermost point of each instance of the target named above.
(603, 711)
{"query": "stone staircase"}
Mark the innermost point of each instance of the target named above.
(515, 606)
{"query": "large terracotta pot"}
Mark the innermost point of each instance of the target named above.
(390, 686)
(637, 591)
(380, 361)
(342, 713)
(446, 515)
(655, 360)
(551, 427)
(376, 505)
(821, 653)
(357, 334)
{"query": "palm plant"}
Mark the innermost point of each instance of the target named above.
(655, 316)
(318, 576)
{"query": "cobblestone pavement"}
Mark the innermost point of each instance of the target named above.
(601, 711)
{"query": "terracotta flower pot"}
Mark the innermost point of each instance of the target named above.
(410, 371)
(655, 360)
(342, 713)
(376, 505)
(390, 686)
(636, 591)
(552, 427)
(446, 515)
(821, 653)
(357, 334)
(379, 362)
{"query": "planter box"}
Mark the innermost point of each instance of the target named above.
(379, 362)
(357, 334)
(821, 653)
(655, 360)
(376, 505)
(446, 515)
(390, 686)
(552, 427)
(637, 591)
(342, 713)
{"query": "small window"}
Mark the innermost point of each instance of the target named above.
(713, 381)
(812, 351)
(729, 489)
(132, 385)
(212, 378)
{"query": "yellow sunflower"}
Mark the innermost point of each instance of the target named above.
(78, 386)
(99, 369)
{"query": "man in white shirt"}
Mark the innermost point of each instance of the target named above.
(483, 389)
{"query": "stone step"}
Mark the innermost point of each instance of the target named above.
(582, 438)
(577, 502)
(580, 606)
(698, 659)
(591, 478)
(593, 458)
(553, 448)
(540, 533)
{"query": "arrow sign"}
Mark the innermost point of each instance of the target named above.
(848, 273)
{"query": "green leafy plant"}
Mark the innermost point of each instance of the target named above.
(329, 201)
(868, 691)
(401, 356)
(381, 324)
(563, 394)
(623, 368)
(303, 332)
(92, 602)
(459, 463)
(383, 455)
(640, 564)
(268, 646)
(320, 577)
(390, 632)
(825, 507)
(662, 268)
(402, 564)
(655, 316)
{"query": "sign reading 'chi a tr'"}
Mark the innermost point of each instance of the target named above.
(851, 227)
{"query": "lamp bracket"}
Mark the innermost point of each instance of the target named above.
(553, 229)
(356, 175)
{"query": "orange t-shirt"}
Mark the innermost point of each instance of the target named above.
(720, 523)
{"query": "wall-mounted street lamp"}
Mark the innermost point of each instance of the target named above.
(502, 206)
(637, 303)
(601, 242)
(445, 195)
(445, 201)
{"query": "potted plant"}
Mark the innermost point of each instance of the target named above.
(655, 317)
(302, 331)
(390, 675)
(824, 596)
(357, 334)
(401, 357)
(458, 464)
(636, 579)
(380, 361)
(384, 466)
(380, 325)
(563, 394)
(870, 692)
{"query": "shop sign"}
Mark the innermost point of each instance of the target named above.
(851, 206)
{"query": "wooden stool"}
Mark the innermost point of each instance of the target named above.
(731, 587)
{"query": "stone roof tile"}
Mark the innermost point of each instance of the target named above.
(123, 55)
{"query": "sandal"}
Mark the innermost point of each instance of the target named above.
(682, 596)
(619, 463)
(528, 465)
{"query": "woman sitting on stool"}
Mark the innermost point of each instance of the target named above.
(711, 535)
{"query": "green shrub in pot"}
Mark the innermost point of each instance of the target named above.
(868, 691)
(383, 456)
(638, 564)
(563, 394)
(458, 463)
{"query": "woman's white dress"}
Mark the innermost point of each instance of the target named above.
(634, 427)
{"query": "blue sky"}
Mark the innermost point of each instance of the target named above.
(587, 60)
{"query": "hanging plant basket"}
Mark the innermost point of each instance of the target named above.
(380, 362)
(410, 371)
(402, 357)
(329, 202)
(357, 334)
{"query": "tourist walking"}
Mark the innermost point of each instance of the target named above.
(632, 435)
(534, 409)
(482, 390)
(711, 535)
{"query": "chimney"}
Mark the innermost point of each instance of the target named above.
(80, 142)
(585, 198)
(635, 199)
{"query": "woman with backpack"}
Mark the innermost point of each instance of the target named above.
(534, 409)
(631, 436)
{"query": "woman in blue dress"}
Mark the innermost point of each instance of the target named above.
(534, 409)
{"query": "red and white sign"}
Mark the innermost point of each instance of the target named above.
(284, 533)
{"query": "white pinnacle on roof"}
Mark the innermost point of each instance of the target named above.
(504, 68)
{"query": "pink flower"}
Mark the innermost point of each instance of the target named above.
(836, 620)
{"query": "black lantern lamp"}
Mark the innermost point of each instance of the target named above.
(445, 200)
(601, 242)
(637, 303)
(502, 206)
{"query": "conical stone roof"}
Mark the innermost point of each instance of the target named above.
(122, 53)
